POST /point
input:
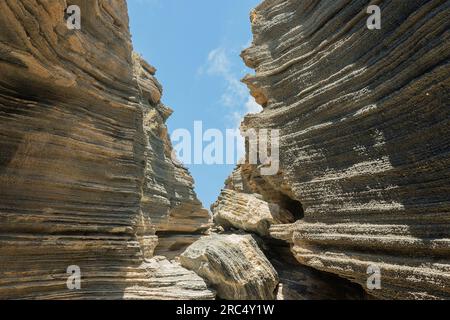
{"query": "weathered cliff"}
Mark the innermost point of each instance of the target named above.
(241, 204)
(364, 146)
(86, 176)
(249, 204)
(167, 197)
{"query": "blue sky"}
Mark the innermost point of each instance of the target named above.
(195, 46)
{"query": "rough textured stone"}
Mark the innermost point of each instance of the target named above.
(365, 125)
(159, 279)
(168, 198)
(249, 203)
(240, 206)
(233, 265)
(246, 212)
(86, 176)
(300, 282)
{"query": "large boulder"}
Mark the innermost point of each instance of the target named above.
(233, 265)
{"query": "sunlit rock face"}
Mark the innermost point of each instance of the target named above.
(364, 146)
(233, 265)
(240, 206)
(86, 176)
(249, 204)
(168, 198)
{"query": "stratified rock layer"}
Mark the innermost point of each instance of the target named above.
(233, 265)
(159, 279)
(86, 176)
(251, 204)
(365, 123)
(300, 282)
(168, 198)
(241, 206)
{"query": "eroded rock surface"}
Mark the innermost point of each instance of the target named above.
(86, 176)
(364, 145)
(168, 198)
(300, 282)
(241, 206)
(233, 265)
(160, 279)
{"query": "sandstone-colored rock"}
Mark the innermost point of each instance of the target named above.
(172, 245)
(241, 204)
(86, 176)
(246, 212)
(168, 197)
(364, 138)
(300, 282)
(233, 265)
(159, 279)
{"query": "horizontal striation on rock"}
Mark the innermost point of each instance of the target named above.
(160, 279)
(300, 282)
(250, 203)
(364, 144)
(82, 129)
(168, 197)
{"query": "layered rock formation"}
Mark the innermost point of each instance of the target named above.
(86, 174)
(300, 282)
(168, 198)
(160, 279)
(248, 203)
(252, 202)
(364, 144)
(239, 205)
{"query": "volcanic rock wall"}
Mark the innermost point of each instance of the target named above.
(86, 176)
(365, 137)
(250, 205)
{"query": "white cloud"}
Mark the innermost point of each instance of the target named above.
(251, 106)
(235, 95)
(218, 62)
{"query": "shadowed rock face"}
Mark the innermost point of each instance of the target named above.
(86, 176)
(251, 204)
(300, 282)
(365, 125)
